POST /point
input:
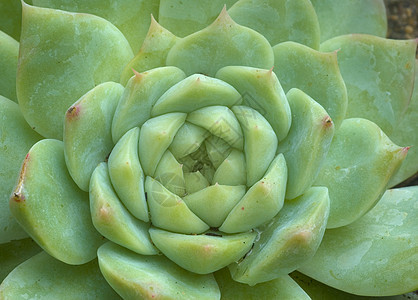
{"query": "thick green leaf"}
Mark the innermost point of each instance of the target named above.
(170, 173)
(261, 90)
(360, 162)
(379, 76)
(11, 17)
(140, 95)
(14, 253)
(261, 202)
(283, 288)
(194, 92)
(205, 253)
(279, 20)
(260, 142)
(51, 208)
(223, 43)
(131, 17)
(62, 56)
(316, 73)
(307, 144)
(135, 276)
(43, 277)
(376, 255)
(127, 176)
(183, 17)
(169, 211)
(406, 134)
(153, 52)
(16, 138)
(288, 241)
(87, 131)
(112, 219)
(350, 16)
(9, 51)
(232, 171)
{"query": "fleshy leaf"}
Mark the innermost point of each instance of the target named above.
(127, 176)
(187, 140)
(9, 50)
(205, 253)
(43, 277)
(316, 73)
(153, 52)
(221, 122)
(356, 171)
(307, 144)
(87, 131)
(169, 211)
(354, 16)
(11, 18)
(232, 171)
(140, 95)
(280, 288)
(279, 20)
(212, 204)
(376, 255)
(112, 219)
(261, 202)
(131, 17)
(260, 142)
(170, 173)
(184, 17)
(14, 253)
(194, 92)
(147, 277)
(195, 181)
(406, 134)
(288, 241)
(379, 76)
(155, 137)
(16, 139)
(51, 208)
(62, 56)
(223, 43)
(261, 90)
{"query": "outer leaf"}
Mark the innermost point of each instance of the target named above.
(376, 255)
(9, 50)
(315, 73)
(43, 277)
(153, 52)
(62, 56)
(11, 17)
(51, 208)
(14, 253)
(183, 17)
(205, 253)
(352, 16)
(379, 76)
(131, 17)
(16, 138)
(287, 241)
(406, 134)
(112, 219)
(279, 20)
(87, 131)
(223, 43)
(135, 276)
(357, 169)
(307, 144)
(283, 288)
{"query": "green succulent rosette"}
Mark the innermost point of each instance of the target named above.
(229, 150)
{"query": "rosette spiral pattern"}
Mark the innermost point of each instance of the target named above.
(238, 146)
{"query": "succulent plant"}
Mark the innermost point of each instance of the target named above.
(244, 152)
